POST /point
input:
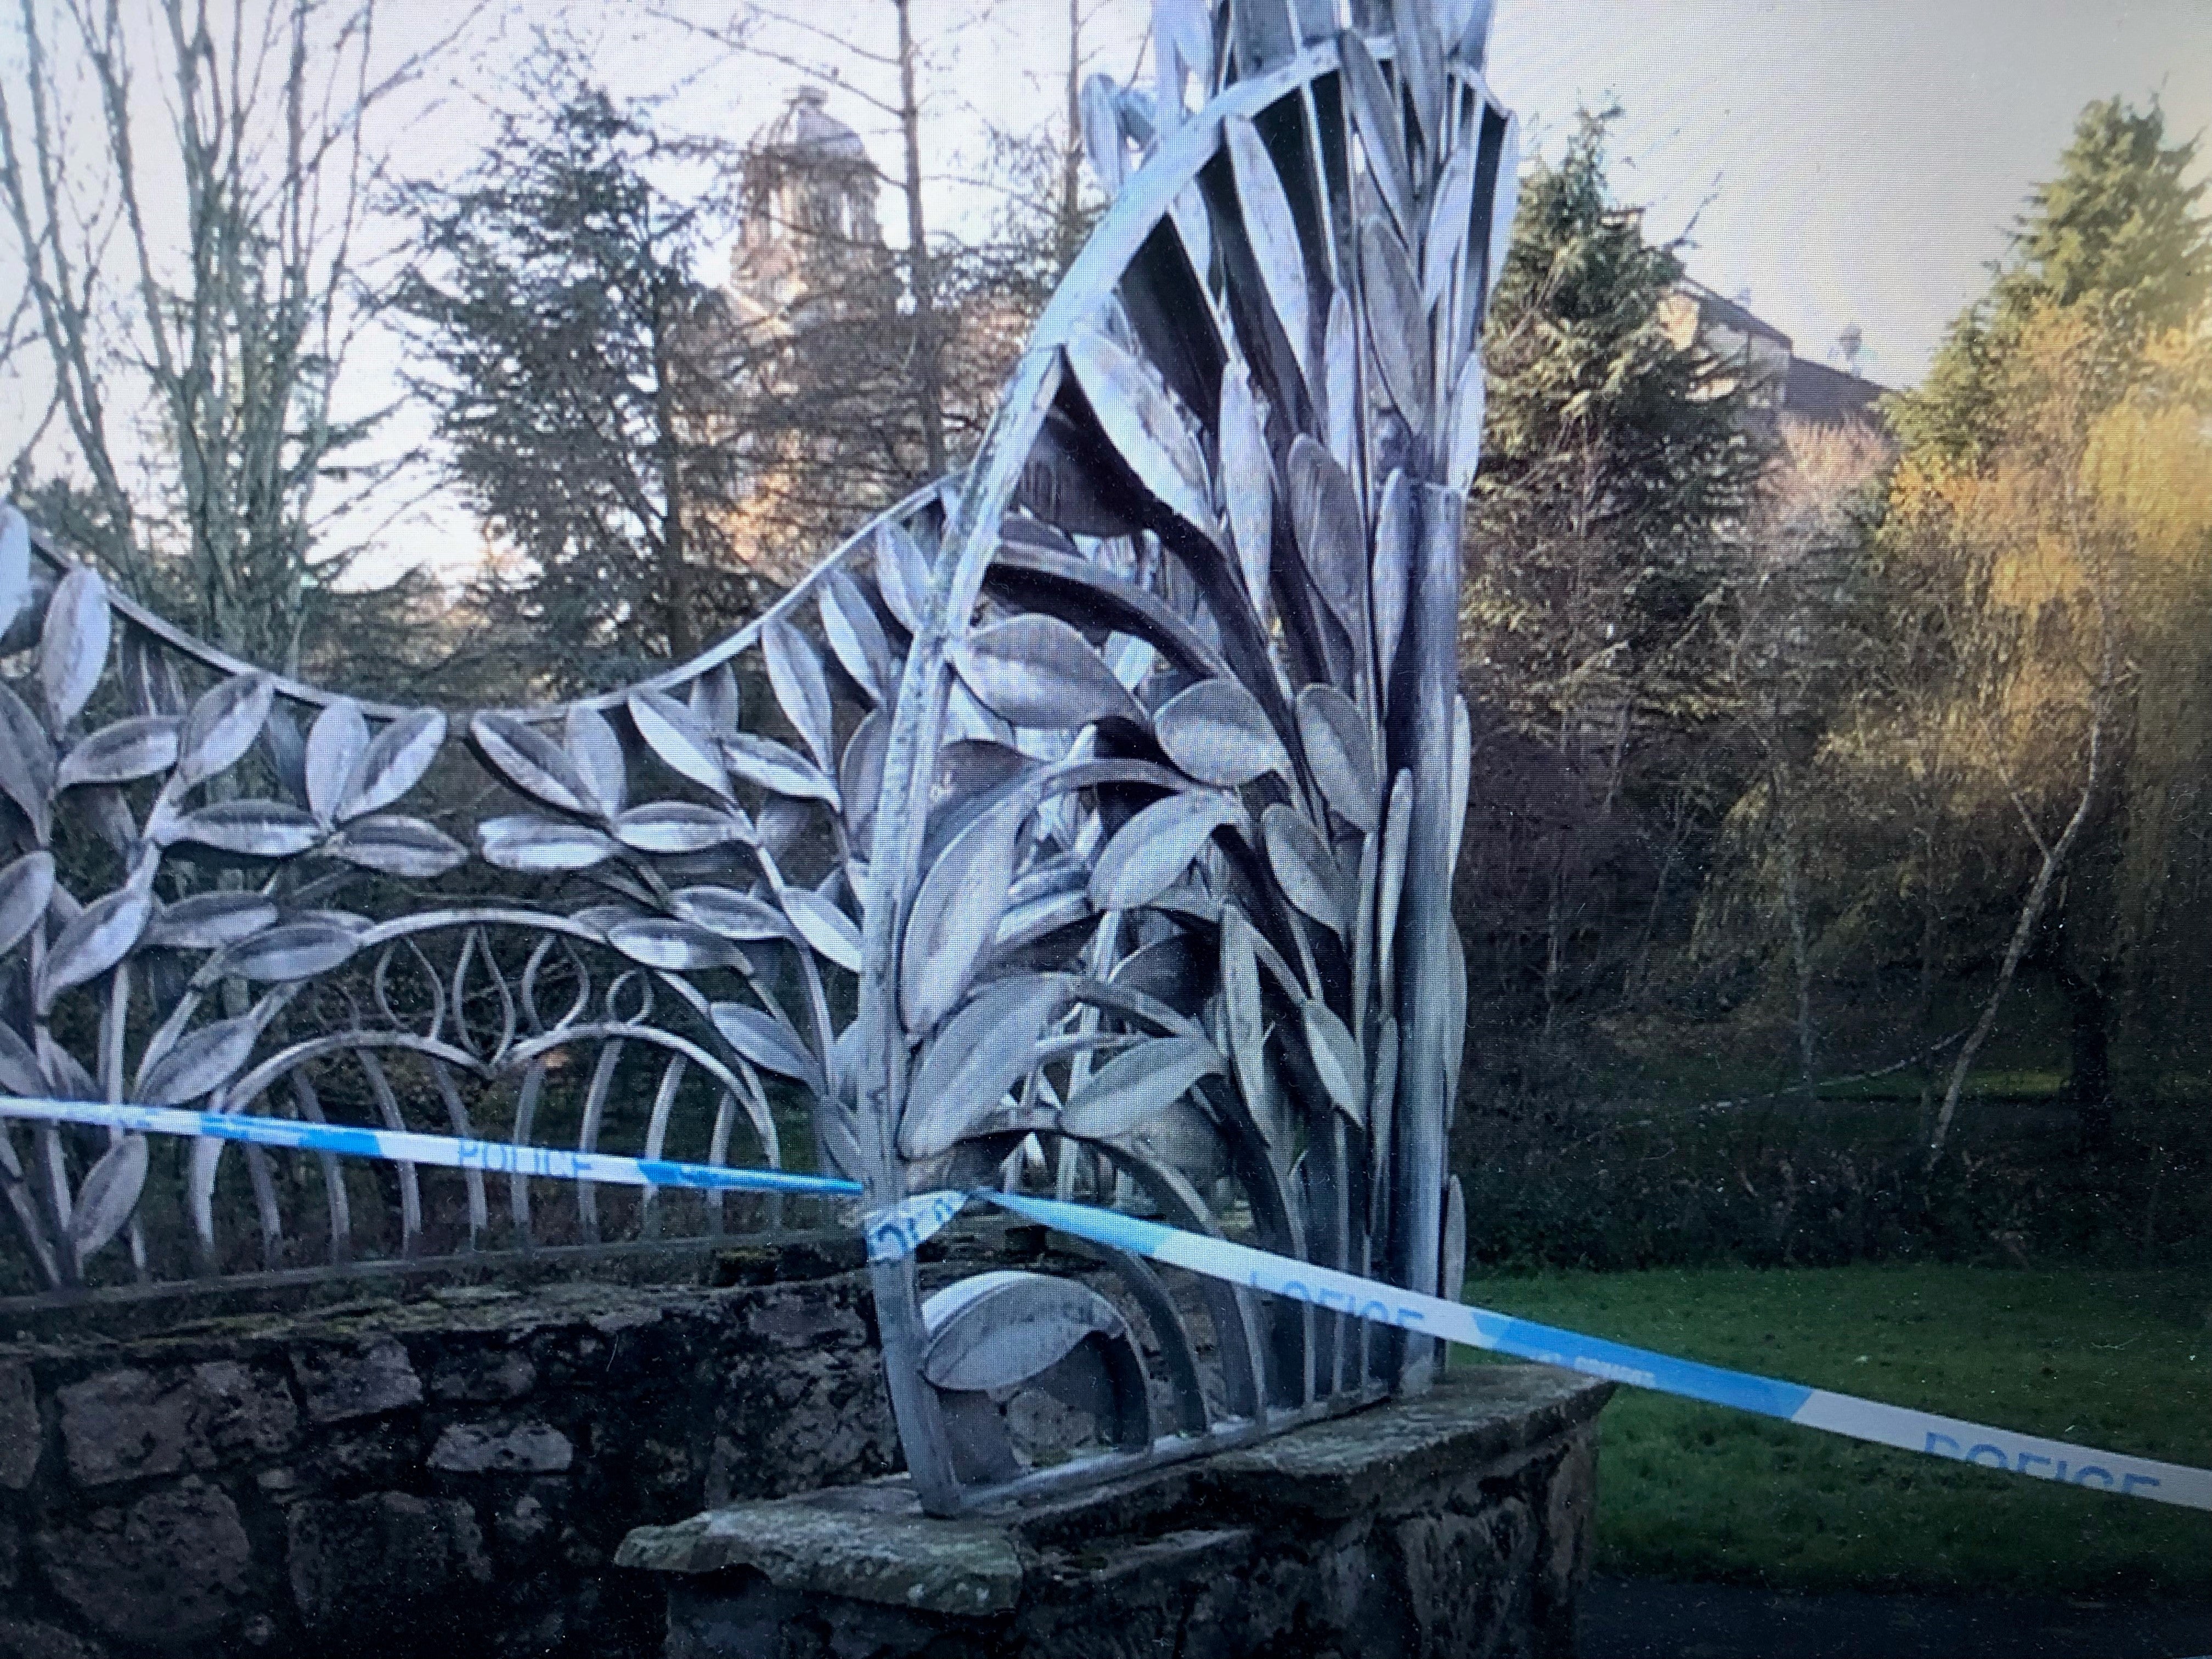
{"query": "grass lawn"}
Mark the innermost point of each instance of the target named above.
(2121, 1361)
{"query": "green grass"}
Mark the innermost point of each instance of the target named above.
(2122, 1361)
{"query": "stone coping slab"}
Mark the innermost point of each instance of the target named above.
(871, 1543)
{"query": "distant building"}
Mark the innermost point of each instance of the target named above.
(807, 235)
(1762, 360)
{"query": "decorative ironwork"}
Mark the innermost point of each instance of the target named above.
(1087, 821)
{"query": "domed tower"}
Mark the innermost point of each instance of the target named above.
(808, 232)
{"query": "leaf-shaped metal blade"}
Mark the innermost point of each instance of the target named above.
(902, 575)
(856, 636)
(1302, 867)
(1038, 671)
(831, 932)
(767, 1043)
(121, 753)
(955, 913)
(393, 845)
(15, 565)
(733, 915)
(295, 950)
(984, 1049)
(1505, 201)
(794, 673)
(25, 885)
(395, 763)
(1136, 1084)
(1135, 413)
(27, 760)
(1103, 145)
(1274, 234)
(1243, 1021)
(1217, 732)
(680, 739)
(108, 1196)
(714, 700)
(676, 947)
(540, 846)
(1421, 67)
(250, 828)
(1468, 401)
(222, 725)
(596, 752)
(1447, 230)
(1149, 853)
(1462, 775)
(680, 826)
(336, 743)
(1344, 412)
(199, 1062)
(530, 761)
(73, 647)
(1397, 322)
(1331, 530)
(1247, 485)
(998, 1330)
(1374, 113)
(208, 921)
(1336, 1060)
(780, 770)
(1393, 575)
(1397, 832)
(1452, 1267)
(1342, 753)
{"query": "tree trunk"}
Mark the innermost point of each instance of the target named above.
(675, 572)
(2089, 1083)
(1071, 161)
(928, 374)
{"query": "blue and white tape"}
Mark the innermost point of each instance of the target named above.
(901, 1229)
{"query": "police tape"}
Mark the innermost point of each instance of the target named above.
(900, 1229)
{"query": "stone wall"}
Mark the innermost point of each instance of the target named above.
(462, 1464)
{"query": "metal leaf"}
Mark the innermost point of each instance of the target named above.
(780, 770)
(395, 846)
(530, 761)
(1217, 732)
(1393, 575)
(1421, 66)
(199, 1063)
(1452, 1268)
(680, 739)
(1505, 201)
(1397, 323)
(998, 1330)
(395, 763)
(984, 1050)
(1446, 233)
(336, 743)
(1248, 483)
(1186, 26)
(15, 565)
(1342, 347)
(73, 648)
(221, 726)
(856, 636)
(1374, 111)
(1038, 671)
(1274, 234)
(714, 700)
(955, 912)
(1148, 854)
(589, 737)
(121, 753)
(1302, 867)
(27, 760)
(1136, 1084)
(26, 886)
(1331, 530)
(109, 1194)
(1335, 1060)
(680, 826)
(902, 575)
(733, 915)
(20, 1072)
(1243, 1021)
(826, 928)
(1342, 753)
(1103, 146)
(250, 828)
(1461, 775)
(795, 673)
(860, 774)
(1397, 833)
(1141, 422)
(293, 951)
(1468, 398)
(678, 947)
(208, 921)
(767, 1043)
(540, 846)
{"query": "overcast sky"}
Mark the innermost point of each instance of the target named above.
(1842, 162)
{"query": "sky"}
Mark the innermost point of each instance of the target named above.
(1840, 163)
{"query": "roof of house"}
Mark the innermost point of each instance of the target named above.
(1830, 396)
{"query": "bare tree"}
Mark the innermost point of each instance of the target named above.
(223, 335)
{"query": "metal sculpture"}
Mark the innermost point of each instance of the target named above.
(1095, 830)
